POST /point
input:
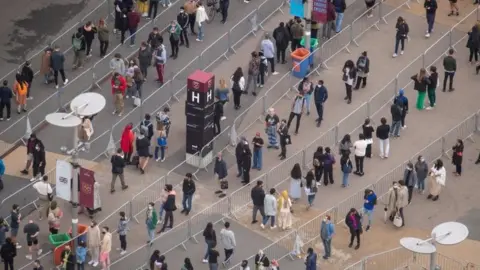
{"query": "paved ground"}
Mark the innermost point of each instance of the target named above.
(11, 185)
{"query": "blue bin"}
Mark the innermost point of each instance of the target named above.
(300, 63)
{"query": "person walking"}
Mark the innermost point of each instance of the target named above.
(340, 7)
(368, 130)
(151, 222)
(88, 31)
(220, 169)
(210, 239)
(382, 134)
(349, 75)
(421, 168)
(270, 204)
(144, 59)
(328, 162)
(160, 55)
(271, 123)
(401, 35)
(103, 37)
(369, 202)
(457, 157)
(6, 95)
(421, 82)
(393, 197)
(227, 236)
(93, 243)
(81, 254)
(311, 260)
(284, 138)
(432, 87)
(354, 223)
(57, 61)
(105, 248)
(296, 34)
(310, 187)
(363, 68)
(318, 159)
(320, 95)
(213, 256)
(360, 149)
(182, 19)
(284, 209)
(410, 179)
(473, 44)
(142, 144)
(188, 189)
(346, 168)
(39, 161)
(191, 10)
(295, 189)
(118, 166)
(281, 37)
(45, 194)
(200, 18)
(257, 195)
(20, 87)
(431, 9)
(169, 206)
(28, 74)
(152, 9)
(438, 177)
(330, 24)
(174, 31)
(305, 87)
(133, 19)
(402, 102)
(396, 112)
(402, 201)
(161, 146)
(126, 143)
(122, 230)
(224, 4)
(257, 151)
(327, 231)
(298, 106)
(8, 252)
(268, 50)
(450, 67)
(253, 73)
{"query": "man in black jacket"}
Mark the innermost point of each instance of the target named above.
(246, 162)
(258, 195)
(382, 134)
(57, 61)
(224, 9)
(239, 156)
(118, 165)
(6, 96)
(188, 188)
(182, 19)
(282, 37)
(169, 206)
(396, 112)
(320, 95)
(155, 39)
(27, 74)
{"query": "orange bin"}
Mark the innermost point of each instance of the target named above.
(300, 62)
(81, 232)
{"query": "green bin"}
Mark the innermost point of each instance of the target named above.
(59, 239)
(313, 46)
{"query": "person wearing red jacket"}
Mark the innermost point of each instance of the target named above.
(331, 16)
(119, 85)
(126, 143)
(133, 18)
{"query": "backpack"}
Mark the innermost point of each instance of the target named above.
(347, 168)
(280, 36)
(145, 127)
(77, 43)
(236, 86)
(362, 63)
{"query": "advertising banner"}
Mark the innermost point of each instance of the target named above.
(296, 8)
(319, 11)
(63, 179)
(86, 188)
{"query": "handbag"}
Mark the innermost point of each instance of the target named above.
(397, 220)
(223, 184)
(137, 102)
(288, 140)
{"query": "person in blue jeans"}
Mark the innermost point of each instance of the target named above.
(396, 112)
(346, 167)
(370, 200)
(257, 151)
(327, 231)
(161, 145)
(340, 7)
(188, 189)
(431, 8)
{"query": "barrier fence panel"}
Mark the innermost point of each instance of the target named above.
(334, 46)
(267, 9)
(355, 119)
(389, 16)
(218, 50)
(179, 79)
(246, 27)
(366, 21)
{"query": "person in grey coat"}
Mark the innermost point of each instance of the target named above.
(227, 237)
(410, 179)
(122, 232)
(117, 64)
(144, 59)
(421, 168)
(270, 205)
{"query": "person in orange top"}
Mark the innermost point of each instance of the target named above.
(126, 143)
(20, 88)
(119, 85)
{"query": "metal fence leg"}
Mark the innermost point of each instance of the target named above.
(444, 149)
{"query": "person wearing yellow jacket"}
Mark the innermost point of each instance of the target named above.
(142, 7)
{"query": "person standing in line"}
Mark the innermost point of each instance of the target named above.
(438, 177)
(305, 87)
(224, 4)
(354, 223)
(311, 260)
(346, 168)
(257, 151)
(258, 199)
(162, 145)
(152, 9)
(54, 216)
(154, 39)
(217, 116)
(227, 236)
(310, 187)
(382, 134)
(421, 168)
(345, 146)
(187, 264)
(295, 189)
(37, 265)
(270, 204)
(174, 31)
(284, 138)
(57, 61)
(31, 230)
(271, 122)
(200, 18)
(340, 7)
(327, 231)
(298, 106)
(453, 8)
(318, 159)
(89, 30)
(402, 200)
(220, 169)
(213, 256)
(368, 133)
(133, 19)
(119, 6)
(126, 142)
(182, 19)
(410, 179)
(151, 222)
(191, 10)
(210, 239)
(39, 161)
(105, 248)
(238, 87)
(3, 231)
(402, 101)
(122, 230)
(169, 206)
(118, 166)
(103, 37)
(431, 9)
(28, 74)
(473, 43)
(188, 189)
(284, 209)
(369, 202)
(282, 37)
(79, 47)
(246, 162)
(163, 118)
(421, 82)
(81, 254)
(142, 144)
(253, 73)
(330, 24)
(328, 163)
(117, 65)
(349, 76)
(401, 35)
(360, 149)
(363, 68)
(93, 243)
(269, 51)
(45, 68)
(20, 86)
(320, 96)
(144, 59)
(450, 67)
(8, 252)
(6, 95)
(45, 193)
(119, 86)
(261, 260)
(457, 157)
(396, 112)
(239, 149)
(160, 61)
(432, 87)
(297, 31)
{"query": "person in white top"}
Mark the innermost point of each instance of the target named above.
(45, 193)
(237, 81)
(360, 148)
(200, 19)
(438, 177)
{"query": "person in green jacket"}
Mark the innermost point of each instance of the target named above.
(151, 222)
(174, 31)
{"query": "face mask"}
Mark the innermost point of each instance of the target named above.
(104, 232)
(181, 11)
(422, 160)
(150, 207)
(91, 225)
(37, 148)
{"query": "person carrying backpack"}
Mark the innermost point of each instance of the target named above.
(78, 46)
(363, 68)
(370, 200)
(147, 126)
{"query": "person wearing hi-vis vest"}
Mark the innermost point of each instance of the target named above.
(21, 88)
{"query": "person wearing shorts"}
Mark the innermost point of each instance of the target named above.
(105, 248)
(32, 231)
